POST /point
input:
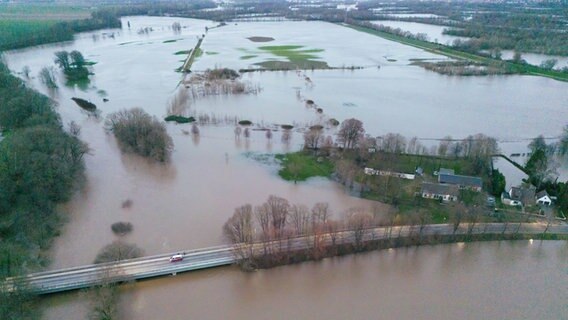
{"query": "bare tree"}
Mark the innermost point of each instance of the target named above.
(357, 223)
(278, 209)
(286, 136)
(444, 146)
(238, 132)
(320, 213)
(456, 216)
(194, 129)
(299, 219)
(313, 139)
(74, 129)
(473, 216)
(240, 232)
(104, 302)
(246, 133)
(393, 143)
(424, 217)
(350, 132)
(239, 227)
(268, 134)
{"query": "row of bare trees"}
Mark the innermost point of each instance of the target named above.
(277, 231)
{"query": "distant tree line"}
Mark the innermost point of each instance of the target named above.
(62, 31)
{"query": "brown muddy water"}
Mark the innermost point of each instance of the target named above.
(492, 280)
(184, 204)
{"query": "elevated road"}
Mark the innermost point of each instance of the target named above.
(160, 265)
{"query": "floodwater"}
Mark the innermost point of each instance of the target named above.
(536, 58)
(492, 280)
(434, 32)
(184, 204)
(513, 176)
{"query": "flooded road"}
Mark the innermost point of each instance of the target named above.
(184, 204)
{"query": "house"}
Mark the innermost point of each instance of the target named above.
(463, 182)
(543, 198)
(438, 191)
(521, 195)
(506, 200)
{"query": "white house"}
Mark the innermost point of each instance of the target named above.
(542, 198)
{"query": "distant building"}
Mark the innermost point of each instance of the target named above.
(438, 191)
(463, 182)
(542, 198)
(374, 172)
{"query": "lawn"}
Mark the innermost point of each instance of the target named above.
(300, 166)
(406, 163)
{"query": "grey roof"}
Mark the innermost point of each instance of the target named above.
(446, 171)
(436, 188)
(516, 193)
(542, 194)
(466, 181)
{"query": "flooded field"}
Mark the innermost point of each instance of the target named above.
(536, 59)
(434, 32)
(184, 204)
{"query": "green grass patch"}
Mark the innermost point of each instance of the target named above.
(182, 52)
(292, 52)
(287, 65)
(300, 166)
(407, 163)
(247, 57)
(198, 52)
(170, 41)
(298, 58)
(260, 39)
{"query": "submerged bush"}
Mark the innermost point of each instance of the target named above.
(140, 133)
(117, 251)
(121, 228)
(224, 73)
(245, 122)
(87, 105)
(287, 126)
(179, 119)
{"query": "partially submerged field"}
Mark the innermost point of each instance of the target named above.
(137, 70)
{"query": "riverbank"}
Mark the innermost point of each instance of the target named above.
(456, 54)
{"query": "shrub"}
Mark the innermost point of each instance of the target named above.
(87, 105)
(245, 123)
(179, 119)
(140, 133)
(121, 228)
(117, 251)
(287, 126)
(316, 127)
(224, 73)
(333, 122)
